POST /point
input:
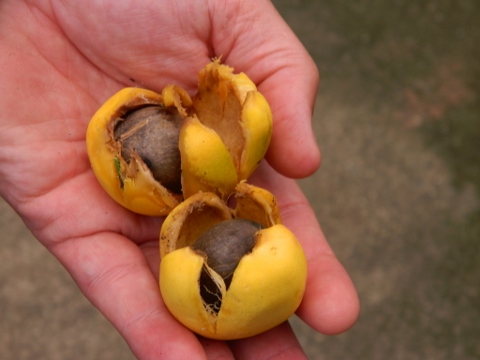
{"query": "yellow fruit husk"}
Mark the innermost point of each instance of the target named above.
(267, 285)
(132, 186)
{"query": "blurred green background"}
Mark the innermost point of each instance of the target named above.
(398, 193)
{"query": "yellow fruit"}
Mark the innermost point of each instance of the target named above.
(150, 151)
(231, 111)
(227, 277)
(131, 183)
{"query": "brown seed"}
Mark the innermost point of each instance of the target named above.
(223, 246)
(153, 133)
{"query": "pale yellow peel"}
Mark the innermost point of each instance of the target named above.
(190, 219)
(206, 163)
(179, 286)
(257, 124)
(267, 285)
(256, 204)
(143, 195)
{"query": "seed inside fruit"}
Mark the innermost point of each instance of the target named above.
(153, 133)
(223, 246)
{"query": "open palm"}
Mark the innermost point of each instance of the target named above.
(60, 61)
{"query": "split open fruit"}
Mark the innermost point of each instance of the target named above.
(229, 274)
(149, 151)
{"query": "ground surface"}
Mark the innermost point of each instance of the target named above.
(398, 194)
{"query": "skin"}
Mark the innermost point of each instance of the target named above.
(62, 61)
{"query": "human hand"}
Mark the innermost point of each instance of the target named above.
(61, 60)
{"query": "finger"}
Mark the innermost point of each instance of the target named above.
(285, 74)
(277, 343)
(330, 304)
(293, 150)
(113, 274)
(215, 349)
